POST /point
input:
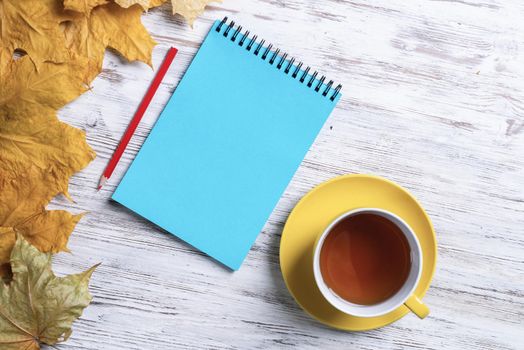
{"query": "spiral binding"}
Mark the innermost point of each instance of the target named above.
(273, 55)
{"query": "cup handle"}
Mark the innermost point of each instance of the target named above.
(417, 306)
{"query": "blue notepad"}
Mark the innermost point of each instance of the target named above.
(227, 143)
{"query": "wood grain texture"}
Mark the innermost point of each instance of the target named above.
(433, 99)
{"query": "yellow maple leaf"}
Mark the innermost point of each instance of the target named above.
(38, 155)
(128, 3)
(83, 6)
(156, 3)
(47, 230)
(34, 27)
(146, 4)
(190, 9)
(109, 26)
(26, 91)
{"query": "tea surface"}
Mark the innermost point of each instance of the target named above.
(365, 259)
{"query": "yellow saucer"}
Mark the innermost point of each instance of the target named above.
(311, 216)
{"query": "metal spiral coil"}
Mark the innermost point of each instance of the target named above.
(328, 90)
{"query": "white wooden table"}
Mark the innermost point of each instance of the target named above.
(432, 99)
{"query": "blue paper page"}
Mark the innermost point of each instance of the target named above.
(225, 147)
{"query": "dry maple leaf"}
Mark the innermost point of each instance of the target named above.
(28, 92)
(190, 9)
(48, 230)
(38, 155)
(83, 6)
(36, 306)
(109, 26)
(128, 3)
(150, 3)
(34, 27)
(156, 3)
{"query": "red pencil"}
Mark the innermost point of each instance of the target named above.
(137, 117)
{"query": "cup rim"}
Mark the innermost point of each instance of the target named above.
(338, 302)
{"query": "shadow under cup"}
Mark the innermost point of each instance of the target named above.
(403, 295)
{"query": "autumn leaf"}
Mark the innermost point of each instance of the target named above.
(36, 306)
(27, 91)
(190, 9)
(109, 26)
(47, 230)
(34, 27)
(32, 140)
(146, 4)
(125, 32)
(156, 3)
(129, 3)
(83, 6)
(38, 155)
